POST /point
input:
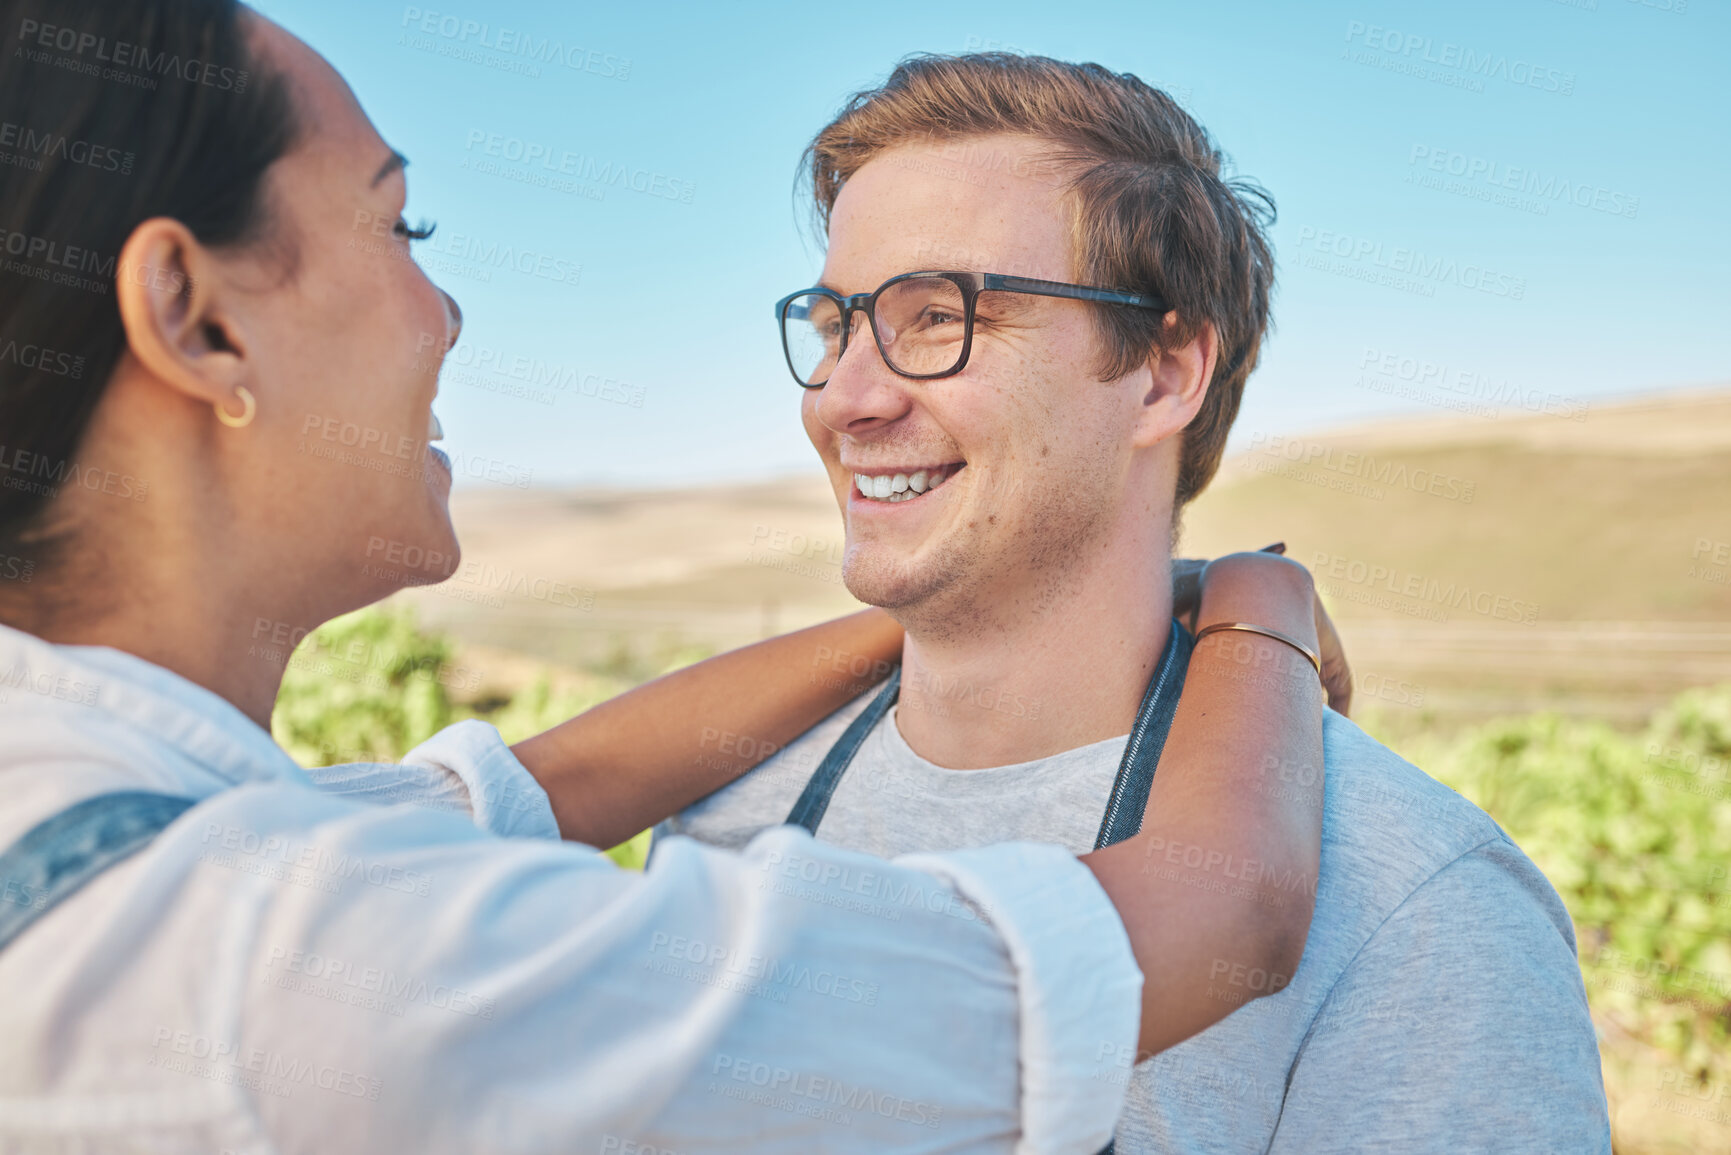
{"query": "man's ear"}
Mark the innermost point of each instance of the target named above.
(1177, 383)
(171, 297)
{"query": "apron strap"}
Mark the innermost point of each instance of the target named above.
(814, 800)
(1129, 788)
(61, 853)
(1129, 797)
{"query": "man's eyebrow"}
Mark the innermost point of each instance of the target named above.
(821, 284)
(396, 163)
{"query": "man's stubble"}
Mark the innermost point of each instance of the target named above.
(1021, 550)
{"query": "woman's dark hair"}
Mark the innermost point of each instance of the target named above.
(111, 112)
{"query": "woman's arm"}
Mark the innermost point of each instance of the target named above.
(1216, 891)
(627, 763)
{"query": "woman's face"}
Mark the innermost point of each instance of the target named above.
(350, 336)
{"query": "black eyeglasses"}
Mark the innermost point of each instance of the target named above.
(923, 323)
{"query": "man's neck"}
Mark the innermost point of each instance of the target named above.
(1066, 674)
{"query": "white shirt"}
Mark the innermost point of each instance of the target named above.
(287, 969)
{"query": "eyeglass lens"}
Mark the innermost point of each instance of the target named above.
(921, 326)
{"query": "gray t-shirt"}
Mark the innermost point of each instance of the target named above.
(1439, 1004)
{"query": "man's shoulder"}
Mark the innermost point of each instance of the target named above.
(1375, 801)
(1437, 952)
(1389, 829)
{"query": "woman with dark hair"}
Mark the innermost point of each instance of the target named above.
(210, 948)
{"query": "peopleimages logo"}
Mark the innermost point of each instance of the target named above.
(1411, 264)
(41, 474)
(489, 254)
(563, 162)
(798, 1092)
(1464, 62)
(509, 42)
(1362, 466)
(341, 979)
(774, 974)
(1429, 593)
(56, 254)
(233, 845)
(1475, 385)
(1545, 188)
(33, 146)
(226, 1061)
(42, 360)
(90, 51)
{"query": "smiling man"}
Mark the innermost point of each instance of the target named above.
(1039, 307)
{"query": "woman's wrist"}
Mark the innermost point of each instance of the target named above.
(1262, 589)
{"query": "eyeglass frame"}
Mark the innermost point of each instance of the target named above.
(971, 286)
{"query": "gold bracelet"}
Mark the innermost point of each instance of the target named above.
(1309, 653)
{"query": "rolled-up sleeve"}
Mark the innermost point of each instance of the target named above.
(1042, 902)
(466, 768)
(522, 995)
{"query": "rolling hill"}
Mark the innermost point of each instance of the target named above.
(1579, 562)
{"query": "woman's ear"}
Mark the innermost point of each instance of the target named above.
(173, 306)
(1177, 383)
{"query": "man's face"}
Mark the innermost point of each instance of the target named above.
(1034, 450)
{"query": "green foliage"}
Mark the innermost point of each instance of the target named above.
(539, 707)
(370, 686)
(366, 687)
(634, 854)
(1635, 834)
(1633, 831)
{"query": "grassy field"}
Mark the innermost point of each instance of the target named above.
(1527, 603)
(1585, 551)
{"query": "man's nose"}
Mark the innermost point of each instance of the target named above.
(863, 391)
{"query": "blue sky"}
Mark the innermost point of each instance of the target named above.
(1485, 207)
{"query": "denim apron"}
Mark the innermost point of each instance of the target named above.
(61, 853)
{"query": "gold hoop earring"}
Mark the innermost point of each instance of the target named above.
(249, 409)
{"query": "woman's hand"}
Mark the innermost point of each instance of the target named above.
(1187, 578)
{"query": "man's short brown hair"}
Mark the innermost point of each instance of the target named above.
(1151, 211)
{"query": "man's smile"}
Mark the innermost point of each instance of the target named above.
(903, 483)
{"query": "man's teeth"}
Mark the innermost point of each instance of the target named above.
(435, 431)
(900, 486)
